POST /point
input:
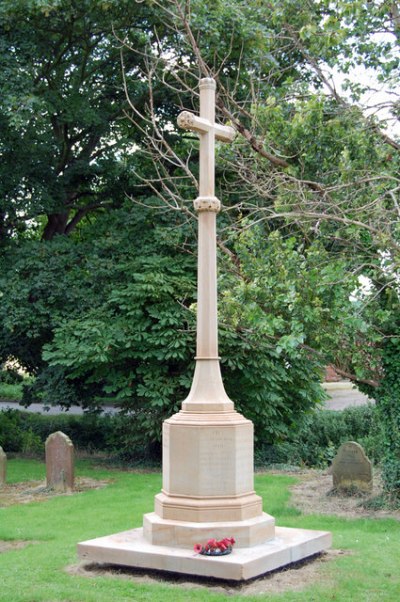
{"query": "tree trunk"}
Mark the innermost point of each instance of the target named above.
(56, 224)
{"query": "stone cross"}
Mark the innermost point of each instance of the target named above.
(59, 462)
(3, 467)
(208, 481)
(207, 385)
(208, 130)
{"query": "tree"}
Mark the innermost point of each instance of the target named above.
(120, 324)
(64, 297)
(314, 165)
(310, 162)
(64, 144)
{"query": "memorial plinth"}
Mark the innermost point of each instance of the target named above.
(208, 483)
(208, 478)
(130, 548)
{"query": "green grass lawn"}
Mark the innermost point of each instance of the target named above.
(37, 572)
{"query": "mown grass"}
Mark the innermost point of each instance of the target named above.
(38, 573)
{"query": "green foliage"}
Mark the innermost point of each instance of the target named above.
(120, 324)
(109, 325)
(286, 288)
(64, 145)
(312, 442)
(11, 383)
(17, 433)
(388, 396)
(27, 432)
(10, 392)
(10, 376)
(318, 437)
(271, 305)
(128, 443)
(89, 432)
(327, 142)
(284, 303)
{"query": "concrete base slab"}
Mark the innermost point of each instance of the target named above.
(130, 548)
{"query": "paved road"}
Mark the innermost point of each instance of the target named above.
(52, 411)
(342, 395)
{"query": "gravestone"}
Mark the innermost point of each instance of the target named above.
(59, 462)
(351, 469)
(3, 467)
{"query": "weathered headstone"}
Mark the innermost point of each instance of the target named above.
(351, 469)
(3, 467)
(59, 462)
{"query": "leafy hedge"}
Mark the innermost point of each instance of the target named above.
(25, 432)
(314, 443)
(388, 417)
(318, 438)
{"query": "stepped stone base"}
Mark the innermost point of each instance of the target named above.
(130, 548)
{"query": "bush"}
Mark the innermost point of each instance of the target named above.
(388, 417)
(89, 432)
(12, 383)
(24, 432)
(118, 435)
(314, 443)
(10, 392)
(16, 434)
(319, 436)
(125, 443)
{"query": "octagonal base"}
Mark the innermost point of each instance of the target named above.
(211, 509)
(175, 533)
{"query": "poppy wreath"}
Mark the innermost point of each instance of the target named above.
(214, 547)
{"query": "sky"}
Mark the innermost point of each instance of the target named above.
(380, 96)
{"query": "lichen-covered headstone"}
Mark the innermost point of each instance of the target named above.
(3, 467)
(351, 469)
(59, 462)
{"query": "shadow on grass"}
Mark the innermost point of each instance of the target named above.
(294, 576)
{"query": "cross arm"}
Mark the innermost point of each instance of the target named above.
(189, 121)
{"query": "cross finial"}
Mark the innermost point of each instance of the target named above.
(208, 131)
